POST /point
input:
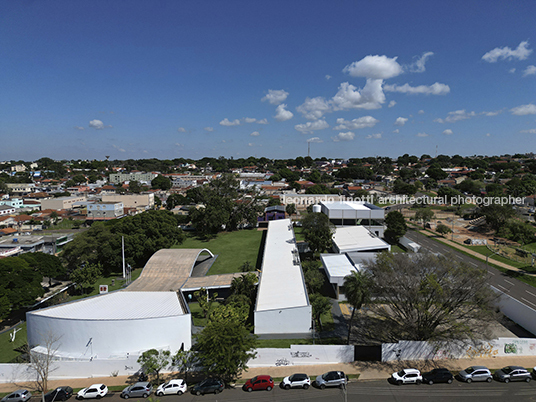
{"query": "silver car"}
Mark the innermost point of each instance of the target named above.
(21, 395)
(475, 373)
(512, 373)
(138, 390)
(331, 379)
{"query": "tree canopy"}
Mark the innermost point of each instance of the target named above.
(396, 226)
(357, 289)
(318, 231)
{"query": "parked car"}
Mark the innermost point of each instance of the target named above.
(94, 391)
(59, 394)
(172, 387)
(512, 373)
(534, 373)
(407, 376)
(260, 382)
(208, 386)
(438, 375)
(137, 390)
(21, 395)
(331, 379)
(475, 373)
(296, 380)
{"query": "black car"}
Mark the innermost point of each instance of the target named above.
(208, 386)
(59, 394)
(438, 375)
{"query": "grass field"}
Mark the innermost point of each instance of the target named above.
(233, 249)
(7, 348)
(108, 281)
(197, 315)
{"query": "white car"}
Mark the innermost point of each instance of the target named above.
(94, 391)
(296, 381)
(172, 387)
(407, 376)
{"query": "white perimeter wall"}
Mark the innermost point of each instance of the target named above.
(517, 311)
(299, 355)
(110, 338)
(295, 320)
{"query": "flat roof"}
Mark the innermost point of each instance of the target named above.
(355, 205)
(119, 305)
(357, 238)
(281, 284)
(338, 266)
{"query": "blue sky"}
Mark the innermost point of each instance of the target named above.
(168, 79)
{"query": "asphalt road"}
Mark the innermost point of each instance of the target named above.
(518, 290)
(374, 391)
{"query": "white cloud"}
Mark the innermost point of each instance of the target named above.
(275, 96)
(349, 97)
(328, 77)
(96, 124)
(309, 127)
(315, 139)
(119, 149)
(209, 129)
(250, 144)
(226, 122)
(79, 128)
(422, 135)
(447, 132)
(434, 89)
(179, 144)
(392, 103)
(420, 111)
(181, 130)
(512, 70)
(505, 53)
(530, 70)
(396, 131)
(250, 119)
(523, 110)
(494, 113)
(418, 65)
(262, 121)
(374, 136)
(375, 67)
(355, 124)
(282, 114)
(314, 108)
(531, 131)
(400, 121)
(348, 136)
(255, 134)
(457, 115)
(488, 135)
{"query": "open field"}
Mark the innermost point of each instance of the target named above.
(233, 249)
(7, 348)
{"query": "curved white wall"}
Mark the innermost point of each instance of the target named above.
(110, 338)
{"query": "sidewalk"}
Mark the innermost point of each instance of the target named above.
(366, 371)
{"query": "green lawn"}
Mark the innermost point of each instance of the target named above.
(7, 348)
(197, 314)
(233, 249)
(108, 281)
(298, 232)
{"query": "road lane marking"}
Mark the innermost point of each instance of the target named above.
(528, 301)
(508, 290)
(491, 273)
(530, 293)
(472, 263)
(513, 284)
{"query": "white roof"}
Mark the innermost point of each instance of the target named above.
(281, 284)
(337, 267)
(118, 306)
(357, 238)
(351, 210)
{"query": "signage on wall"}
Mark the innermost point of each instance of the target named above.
(103, 289)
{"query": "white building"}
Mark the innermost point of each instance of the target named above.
(104, 210)
(344, 213)
(337, 267)
(349, 239)
(282, 305)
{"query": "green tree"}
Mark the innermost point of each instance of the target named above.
(443, 229)
(290, 209)
(245, 284)
(425, 215)
(427, 297)
(86, 277)
(47, 265)
(319, 305)
(205, 301)
(176, 199)
(436, 173)
(314, 279)
(357, 289)
(134, 187)
(497, 215)
(184, 361)
(318, 231)
(154, 361)
(396, 226)
(161, 182)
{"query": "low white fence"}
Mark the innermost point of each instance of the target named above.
(298, 355)
(520, 313)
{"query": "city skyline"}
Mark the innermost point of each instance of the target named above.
(238, 79)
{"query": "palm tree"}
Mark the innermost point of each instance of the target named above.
(357, 290)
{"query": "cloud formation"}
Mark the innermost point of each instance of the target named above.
(531, 131)
(374, 67)
(530, 70)
(79, 128)
(374, 136)
(255, 134)
(355, 124)
(455, 116)
(227, 123)
(348, 136)
(505, 53)
(282, 114)
(309, 127)
(275, 96)
(434, 89)
(181, 130)
(391, 104)
(400, 121)
(96, 124)
(447, 132)
(209, 129)
(315, 139)
(349, 97)
(524, 110)
(314, 108)
(422, 135)
(418, 65)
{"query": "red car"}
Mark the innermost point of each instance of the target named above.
(261, 382)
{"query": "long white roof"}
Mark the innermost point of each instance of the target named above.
(119, 305)
(357, 238)
(338, 265)
(281, 284)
